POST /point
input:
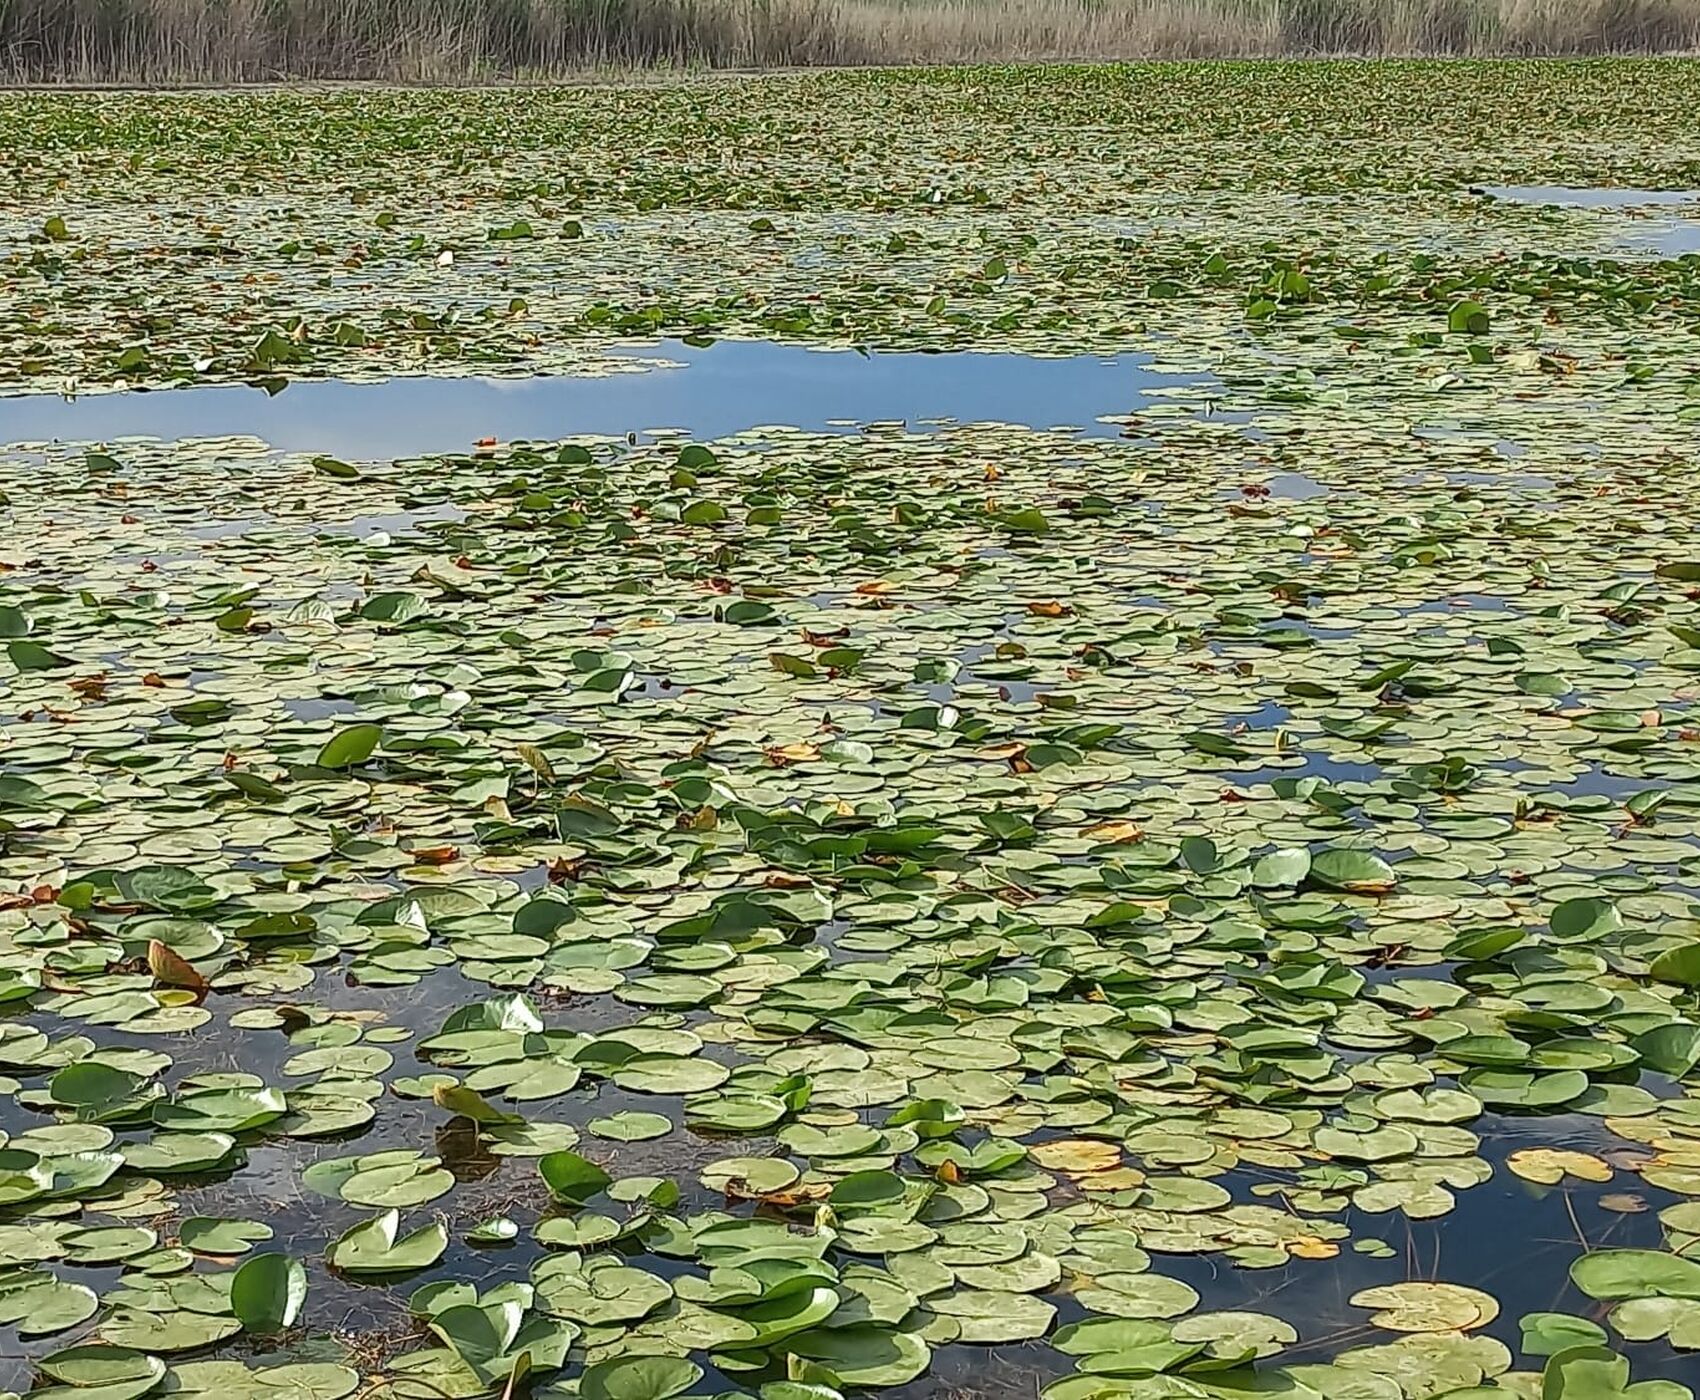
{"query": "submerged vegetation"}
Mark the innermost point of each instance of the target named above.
(1205, 908)
(223, 41)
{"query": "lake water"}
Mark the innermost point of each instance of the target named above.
(1660, 235)
(707, 392)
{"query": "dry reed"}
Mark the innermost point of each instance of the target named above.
(232, 41)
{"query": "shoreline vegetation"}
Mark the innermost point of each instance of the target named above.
(188, 42)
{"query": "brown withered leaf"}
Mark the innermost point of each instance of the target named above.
(172, 970)
(537, 761)
(1623, 1202)
(802, 1194)
(1116, 833)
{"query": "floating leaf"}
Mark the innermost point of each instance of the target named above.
(1343, 868)
(570, 1177)
(1427, 1307)
(350, 747)
(267, 1292)
(373, 1247)
(213, 1235)
(639, 1378)
(1550, 1165)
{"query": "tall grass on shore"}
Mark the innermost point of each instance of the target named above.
(226, 41)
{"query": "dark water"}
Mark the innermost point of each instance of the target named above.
(725, 388)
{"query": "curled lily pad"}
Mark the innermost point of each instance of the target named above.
(571, 1177)
(350, 746)
(496, 1230)
(267, 1293)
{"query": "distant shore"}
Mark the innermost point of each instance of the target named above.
(225, 42)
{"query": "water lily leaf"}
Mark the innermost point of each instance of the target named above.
(1545, 1334)
(987, 1317)
(38, 1304)
(112, 1390)
(179, 1330)
(639, 1378)
(373, 1247)
(1109, 1335)
(864, 1356)
(597, 1293)
(1284, 868)
(570, 1177)
(1583, 920)
(1237, 1333)
(1076, 1156)
(350, 747)
(108, 1245)
(868, 1190)
(1344, 868)
(1678, 965)
(1584, 1372)
(1614, 1274)
(171, 970)
(1673, 1048)
(1647, 1319)
(221, 1110)
(498, 1229)
(670, 1074)
(787, 1313)
(479, 1334)
(1550, 1165)
(179, 1153)
(267, 1293)
(631, 1126)
(1139, 1296)
(33, 656)
(214, 1235)
(109, 1368)
(469, 1103)
(1427, 1307)
(396, 1178)
(99, 1091)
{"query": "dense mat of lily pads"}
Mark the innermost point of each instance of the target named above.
(150, 239)
(800, 913)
